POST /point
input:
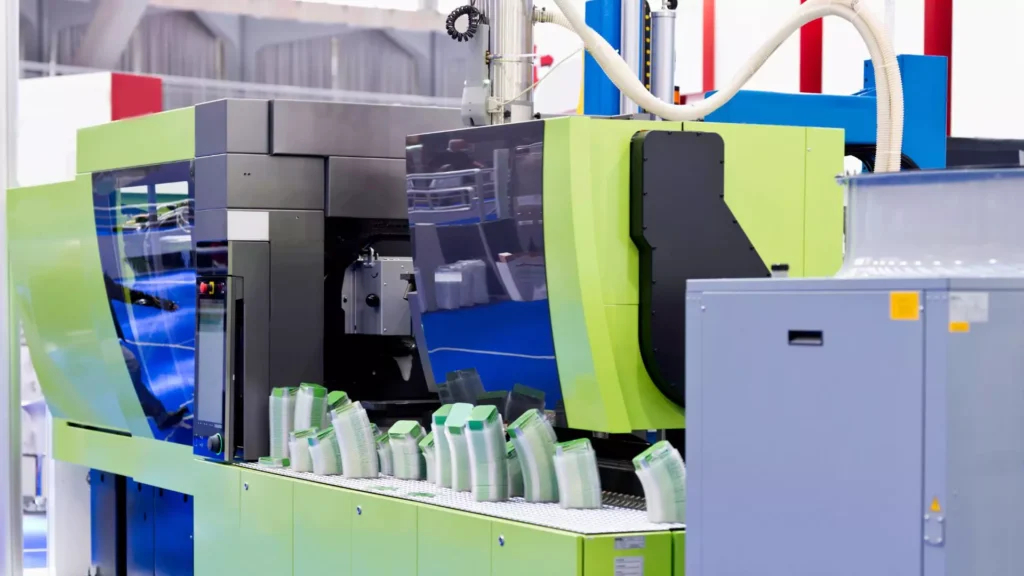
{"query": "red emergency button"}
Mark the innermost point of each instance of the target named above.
(202, 288)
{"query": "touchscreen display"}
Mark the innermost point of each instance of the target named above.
(210, 350)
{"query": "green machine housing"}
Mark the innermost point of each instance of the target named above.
(552, 256)
(778, 184)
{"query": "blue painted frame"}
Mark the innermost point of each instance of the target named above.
(924, 96)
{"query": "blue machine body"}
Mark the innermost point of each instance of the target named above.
(138, 529)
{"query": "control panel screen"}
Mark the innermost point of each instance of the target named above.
(211, 348)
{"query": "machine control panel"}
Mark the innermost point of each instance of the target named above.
(215, 444)
(217, 366)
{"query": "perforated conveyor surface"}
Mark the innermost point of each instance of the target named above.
(607, 520)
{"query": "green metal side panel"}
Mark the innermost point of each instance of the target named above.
(162, 464)
(779, 182)
(607, 150)
(217, 549)
(265, 531)
(518, 549)
(616, 554)
(678, 553)
(384, 533)
(592, 274)
(153, 139)
(576, 309)
(647, 407)
(453, 543)
(322, 530)
(764, 187)
(823, 225)
(62, 303)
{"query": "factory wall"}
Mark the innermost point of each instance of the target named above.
(987, 40)
(982, 104)
(242, 48)
(714, 38)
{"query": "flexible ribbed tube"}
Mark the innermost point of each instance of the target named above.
(888, 82)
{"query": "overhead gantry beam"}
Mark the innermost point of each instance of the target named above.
(314, 12)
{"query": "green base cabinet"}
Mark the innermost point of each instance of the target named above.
(321, 530)
(384, 532)
(445, 535)
(518, 549)
(678, 553)
(216, 519)
(253, 523)
(265, 531)
(628, 554)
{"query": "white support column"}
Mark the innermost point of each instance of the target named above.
(109, 32)
(890, 21)
(10, 405)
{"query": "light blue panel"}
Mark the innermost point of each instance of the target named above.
(817, 470)
(984, 512)
(935, 429)
(694, 432)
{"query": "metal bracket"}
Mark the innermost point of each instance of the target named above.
(935, 530)
(477, 91)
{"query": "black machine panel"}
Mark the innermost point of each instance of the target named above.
(684, 230)
(219, 362)
(983, 153)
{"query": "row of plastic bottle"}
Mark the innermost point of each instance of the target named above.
(465, 450)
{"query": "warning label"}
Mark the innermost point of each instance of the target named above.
(629, 566)
(630, 543)
(968, 307)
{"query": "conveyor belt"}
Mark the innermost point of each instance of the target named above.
(607, 520)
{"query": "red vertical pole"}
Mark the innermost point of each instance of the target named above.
(938, 41)
(709, 45)
(811, 36)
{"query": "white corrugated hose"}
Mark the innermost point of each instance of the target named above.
(889, 85)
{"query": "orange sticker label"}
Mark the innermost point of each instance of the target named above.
(905, 305)
(936, 507)
(959, 327)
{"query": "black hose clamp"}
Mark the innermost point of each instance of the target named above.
(475, 17)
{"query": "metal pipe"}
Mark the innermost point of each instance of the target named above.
(631, 46)
(663, 54)
(511, 59)
(10, 388)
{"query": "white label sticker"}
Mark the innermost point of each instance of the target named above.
(970, 307)
(630, 543)
(629, 566)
